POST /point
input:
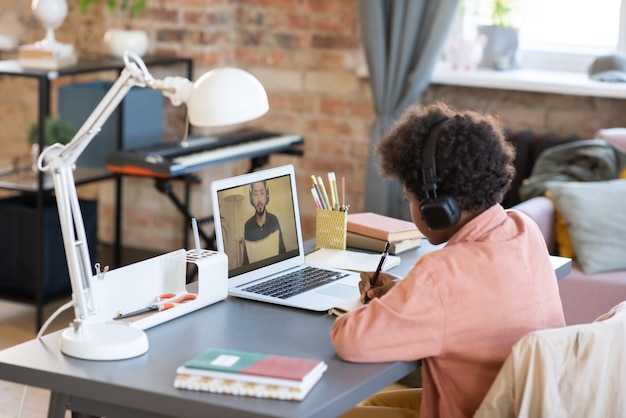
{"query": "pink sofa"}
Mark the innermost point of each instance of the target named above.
(584, 296)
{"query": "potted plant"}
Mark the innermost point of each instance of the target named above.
(129, 8)
(56, 130)
(120, 40)
(502, 37)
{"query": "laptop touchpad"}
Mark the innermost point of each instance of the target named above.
(341, 291)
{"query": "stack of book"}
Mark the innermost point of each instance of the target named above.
(371, 231)
(250, 374)
(46, 56)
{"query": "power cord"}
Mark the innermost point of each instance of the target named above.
(40, 334)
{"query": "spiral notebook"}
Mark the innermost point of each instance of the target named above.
(234, 205)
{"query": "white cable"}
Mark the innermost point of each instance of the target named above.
(39, 335)
(53, 317)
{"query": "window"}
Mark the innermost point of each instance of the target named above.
(558, 34)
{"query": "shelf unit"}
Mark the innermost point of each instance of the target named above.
(41, 186)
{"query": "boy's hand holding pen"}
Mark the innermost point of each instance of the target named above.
(374, 277)
(329, 198)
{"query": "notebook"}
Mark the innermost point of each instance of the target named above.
(258, 254)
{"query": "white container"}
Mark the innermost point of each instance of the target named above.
(120, 40)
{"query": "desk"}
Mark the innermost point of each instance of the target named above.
(144, 385)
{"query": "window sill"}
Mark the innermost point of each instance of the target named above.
(543, 81)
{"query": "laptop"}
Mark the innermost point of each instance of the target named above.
(264, 250)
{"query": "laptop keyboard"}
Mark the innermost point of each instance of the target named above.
(295, 283)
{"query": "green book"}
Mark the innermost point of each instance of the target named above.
(250, 374)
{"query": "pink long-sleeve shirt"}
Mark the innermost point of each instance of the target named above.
(460, 310)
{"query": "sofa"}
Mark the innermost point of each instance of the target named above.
(597, 221)
(584, 296)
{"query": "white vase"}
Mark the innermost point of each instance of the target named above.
(120, 40)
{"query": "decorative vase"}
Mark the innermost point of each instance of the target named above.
(501, 51)
(51, 14)
(120, 40)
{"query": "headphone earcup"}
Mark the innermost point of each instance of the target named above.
(441, 212)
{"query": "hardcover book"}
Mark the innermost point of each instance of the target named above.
(250, 374)
(364, 242)
(382, 227)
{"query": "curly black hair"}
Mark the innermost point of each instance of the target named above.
(473, 159)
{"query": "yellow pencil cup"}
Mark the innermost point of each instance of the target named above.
(330, 229)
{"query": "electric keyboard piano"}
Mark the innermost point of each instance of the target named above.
(174, 159)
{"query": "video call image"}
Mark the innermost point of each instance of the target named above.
(258, 224)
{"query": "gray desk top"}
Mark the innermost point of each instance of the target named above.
(146, 382)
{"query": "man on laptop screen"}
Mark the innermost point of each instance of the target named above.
(262, 233)
(265, 249)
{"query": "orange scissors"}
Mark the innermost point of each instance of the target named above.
(163, 302)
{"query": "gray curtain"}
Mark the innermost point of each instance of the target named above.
(403, 40)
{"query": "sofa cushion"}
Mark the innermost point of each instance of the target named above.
(587, 296)
(596, 221)
(614, 136)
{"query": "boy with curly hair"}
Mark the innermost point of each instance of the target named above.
(461, 308)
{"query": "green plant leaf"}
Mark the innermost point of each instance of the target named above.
(55, 130)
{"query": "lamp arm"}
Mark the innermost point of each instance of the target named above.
(60, 161)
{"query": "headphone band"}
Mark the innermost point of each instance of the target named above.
(429, 164)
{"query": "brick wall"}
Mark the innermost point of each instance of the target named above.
(306, 53)
(562, 115)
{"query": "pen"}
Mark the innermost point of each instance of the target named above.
(343, 193)
(319, 192)
(335, 191)
(320, 182)
(196, 236)
(316, 198)
(378, 269)
(333, 201)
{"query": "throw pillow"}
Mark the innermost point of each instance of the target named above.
(561, 234)
(596, 221)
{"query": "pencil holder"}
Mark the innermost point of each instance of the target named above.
(330, 229)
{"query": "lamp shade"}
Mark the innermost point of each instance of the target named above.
(226, 96)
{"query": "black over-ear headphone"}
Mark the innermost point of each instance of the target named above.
(438, 212)
(267, 193)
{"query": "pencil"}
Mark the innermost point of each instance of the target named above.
(319, 192)
(374, 278)
(320, 182)
(343, 193)
(331, 184)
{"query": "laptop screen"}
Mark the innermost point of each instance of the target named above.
(257, 222)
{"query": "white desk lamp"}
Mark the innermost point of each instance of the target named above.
(220, 97)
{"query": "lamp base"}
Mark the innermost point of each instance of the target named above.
(104, 341)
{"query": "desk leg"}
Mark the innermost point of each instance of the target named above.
(57, 405)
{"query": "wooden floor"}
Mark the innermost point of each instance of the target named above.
(18, 324)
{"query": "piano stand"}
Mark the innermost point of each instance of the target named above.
(164, 185)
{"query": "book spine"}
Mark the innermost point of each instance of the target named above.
(366, 230)
(243, 378)
(207, 384)
(364, 242)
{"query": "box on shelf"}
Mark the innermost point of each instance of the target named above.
(140, 113)
(18, 226)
